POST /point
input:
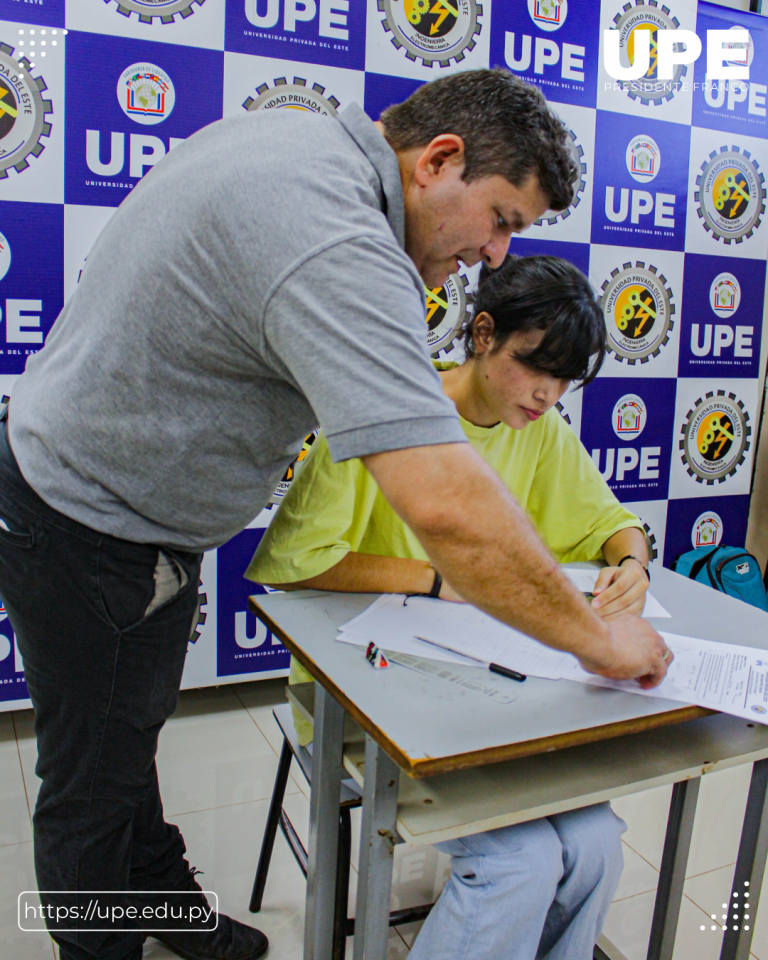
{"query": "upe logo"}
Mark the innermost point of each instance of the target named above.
(163, 10)
(23, 113)
(635, 18)
(145, 93)
(293, 96)
(707, 530)
(433, 31)
(643, 158)
(730, 195)
(552, 217)
(629, 417)
(638, 310)
(725, 295)
(548, 14)
(5, 258)
(715, 437)
(447, 313)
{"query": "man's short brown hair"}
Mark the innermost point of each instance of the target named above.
(507, 127)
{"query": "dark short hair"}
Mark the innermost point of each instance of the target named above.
(550, 294)
(506, 125)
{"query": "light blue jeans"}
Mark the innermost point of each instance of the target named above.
(535, 891)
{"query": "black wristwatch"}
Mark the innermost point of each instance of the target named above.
(631, 556)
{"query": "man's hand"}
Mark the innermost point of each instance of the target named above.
(637, 651)
(620, 590)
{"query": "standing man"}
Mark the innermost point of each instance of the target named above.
(266, 277)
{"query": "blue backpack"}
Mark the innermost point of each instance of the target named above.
(730, 570)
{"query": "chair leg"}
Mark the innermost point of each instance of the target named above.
(278, 793)
(340, 923)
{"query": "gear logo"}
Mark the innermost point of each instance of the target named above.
(290, 473)
(163, 10)
(561, 410)
(730, 194)
(725, 295)
(23, 113)
(551, 217)
(650, 539)
(548, 14)
(636, 16)
(146, 93)
(643, 158)
(447, 313)
(707, 530)
(5, 260)
(293, 96)
(630, 415)
(638, 307)
(715, 437)
(202, 614)
(433, 31)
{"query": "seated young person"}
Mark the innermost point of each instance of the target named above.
(544, 886)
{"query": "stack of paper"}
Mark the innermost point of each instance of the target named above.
(393, 622)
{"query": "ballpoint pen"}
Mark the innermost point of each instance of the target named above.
(493, 667)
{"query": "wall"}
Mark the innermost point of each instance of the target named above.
(667, 221)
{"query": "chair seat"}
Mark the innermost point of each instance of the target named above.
(283, 714)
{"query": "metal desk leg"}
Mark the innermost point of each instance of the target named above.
(323, 825)
(750, 866)
(378, 836)
(672, 874)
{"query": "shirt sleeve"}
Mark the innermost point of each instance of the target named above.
(322, 517)
(572, 507)
(346, 327)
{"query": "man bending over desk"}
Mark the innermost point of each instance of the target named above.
(544, 886)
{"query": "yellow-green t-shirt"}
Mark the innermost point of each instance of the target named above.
(333, 508)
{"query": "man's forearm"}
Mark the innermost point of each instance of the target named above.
(482, 542)
(367, 573)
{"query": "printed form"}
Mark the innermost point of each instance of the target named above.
(721, 676)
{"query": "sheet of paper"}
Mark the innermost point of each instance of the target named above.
(389, 622)
(584, 581)
(721, 676)
(409, 646)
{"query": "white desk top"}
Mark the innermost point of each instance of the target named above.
(429, 727)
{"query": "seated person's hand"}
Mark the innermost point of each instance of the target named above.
(620, 590)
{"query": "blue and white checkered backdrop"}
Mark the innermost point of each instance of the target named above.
(667, 220)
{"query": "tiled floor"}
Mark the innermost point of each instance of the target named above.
(217, 762)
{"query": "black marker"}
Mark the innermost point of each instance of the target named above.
(493, 667)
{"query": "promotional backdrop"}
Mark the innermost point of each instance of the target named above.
(667, 220)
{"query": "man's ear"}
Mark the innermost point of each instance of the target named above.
(444, 153)
(483, 333)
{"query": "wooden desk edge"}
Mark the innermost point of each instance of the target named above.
(474, 758)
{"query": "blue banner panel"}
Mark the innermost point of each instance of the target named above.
(627, 425)
(243, 644)
(12, 684)
(312, 31)
(48, 13)
(700, 523)
(640, 195)
(382, 91)
(722, 317)
(128, 103)
(577, 253)
(550, 43)
(735, 105)
(31, 278)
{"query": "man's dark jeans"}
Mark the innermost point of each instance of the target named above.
(103, 679)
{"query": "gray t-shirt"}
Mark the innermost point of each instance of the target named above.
(252, 286)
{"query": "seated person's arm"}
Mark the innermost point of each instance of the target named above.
(366, 573)
(621, 590)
